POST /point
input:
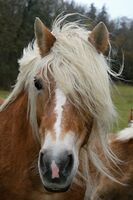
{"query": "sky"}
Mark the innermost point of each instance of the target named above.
(116, 8)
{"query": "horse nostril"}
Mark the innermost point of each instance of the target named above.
(68, 165)
(43, 163)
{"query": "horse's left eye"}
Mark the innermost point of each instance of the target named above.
(38, 84)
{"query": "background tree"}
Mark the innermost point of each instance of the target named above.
(17, 25)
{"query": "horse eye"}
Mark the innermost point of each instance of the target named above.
(38, 84)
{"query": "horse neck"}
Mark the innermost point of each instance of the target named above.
(16, 134)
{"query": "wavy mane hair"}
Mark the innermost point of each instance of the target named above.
(81, 73)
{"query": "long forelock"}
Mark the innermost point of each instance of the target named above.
(82, 74)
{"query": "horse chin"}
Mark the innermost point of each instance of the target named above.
(57, 190)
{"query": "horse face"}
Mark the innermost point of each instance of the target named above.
(62, 131)
(62, 128)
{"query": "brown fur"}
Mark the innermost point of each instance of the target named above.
(99, 37)
(45, 39)
(19, 178)
(107, 189)
(16, 150)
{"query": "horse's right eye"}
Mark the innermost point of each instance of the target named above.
(38, 83)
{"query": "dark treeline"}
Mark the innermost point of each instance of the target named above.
(17, 25)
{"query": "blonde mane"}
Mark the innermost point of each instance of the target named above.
(80, 72)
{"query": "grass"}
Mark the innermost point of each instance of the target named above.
(122, 98)
(4, 93)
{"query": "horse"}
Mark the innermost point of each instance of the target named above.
(105, 188)
(60, 103)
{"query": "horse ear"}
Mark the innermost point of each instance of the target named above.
(99, 37)
(45, 39)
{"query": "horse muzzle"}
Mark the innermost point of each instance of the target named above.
(56, 170)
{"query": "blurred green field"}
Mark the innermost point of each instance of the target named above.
(4, 93)
(123, 100)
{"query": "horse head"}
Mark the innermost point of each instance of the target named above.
(64, 120)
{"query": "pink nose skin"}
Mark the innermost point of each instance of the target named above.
(55, 170)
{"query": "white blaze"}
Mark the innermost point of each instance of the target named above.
(69, 141)
(60, 99)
